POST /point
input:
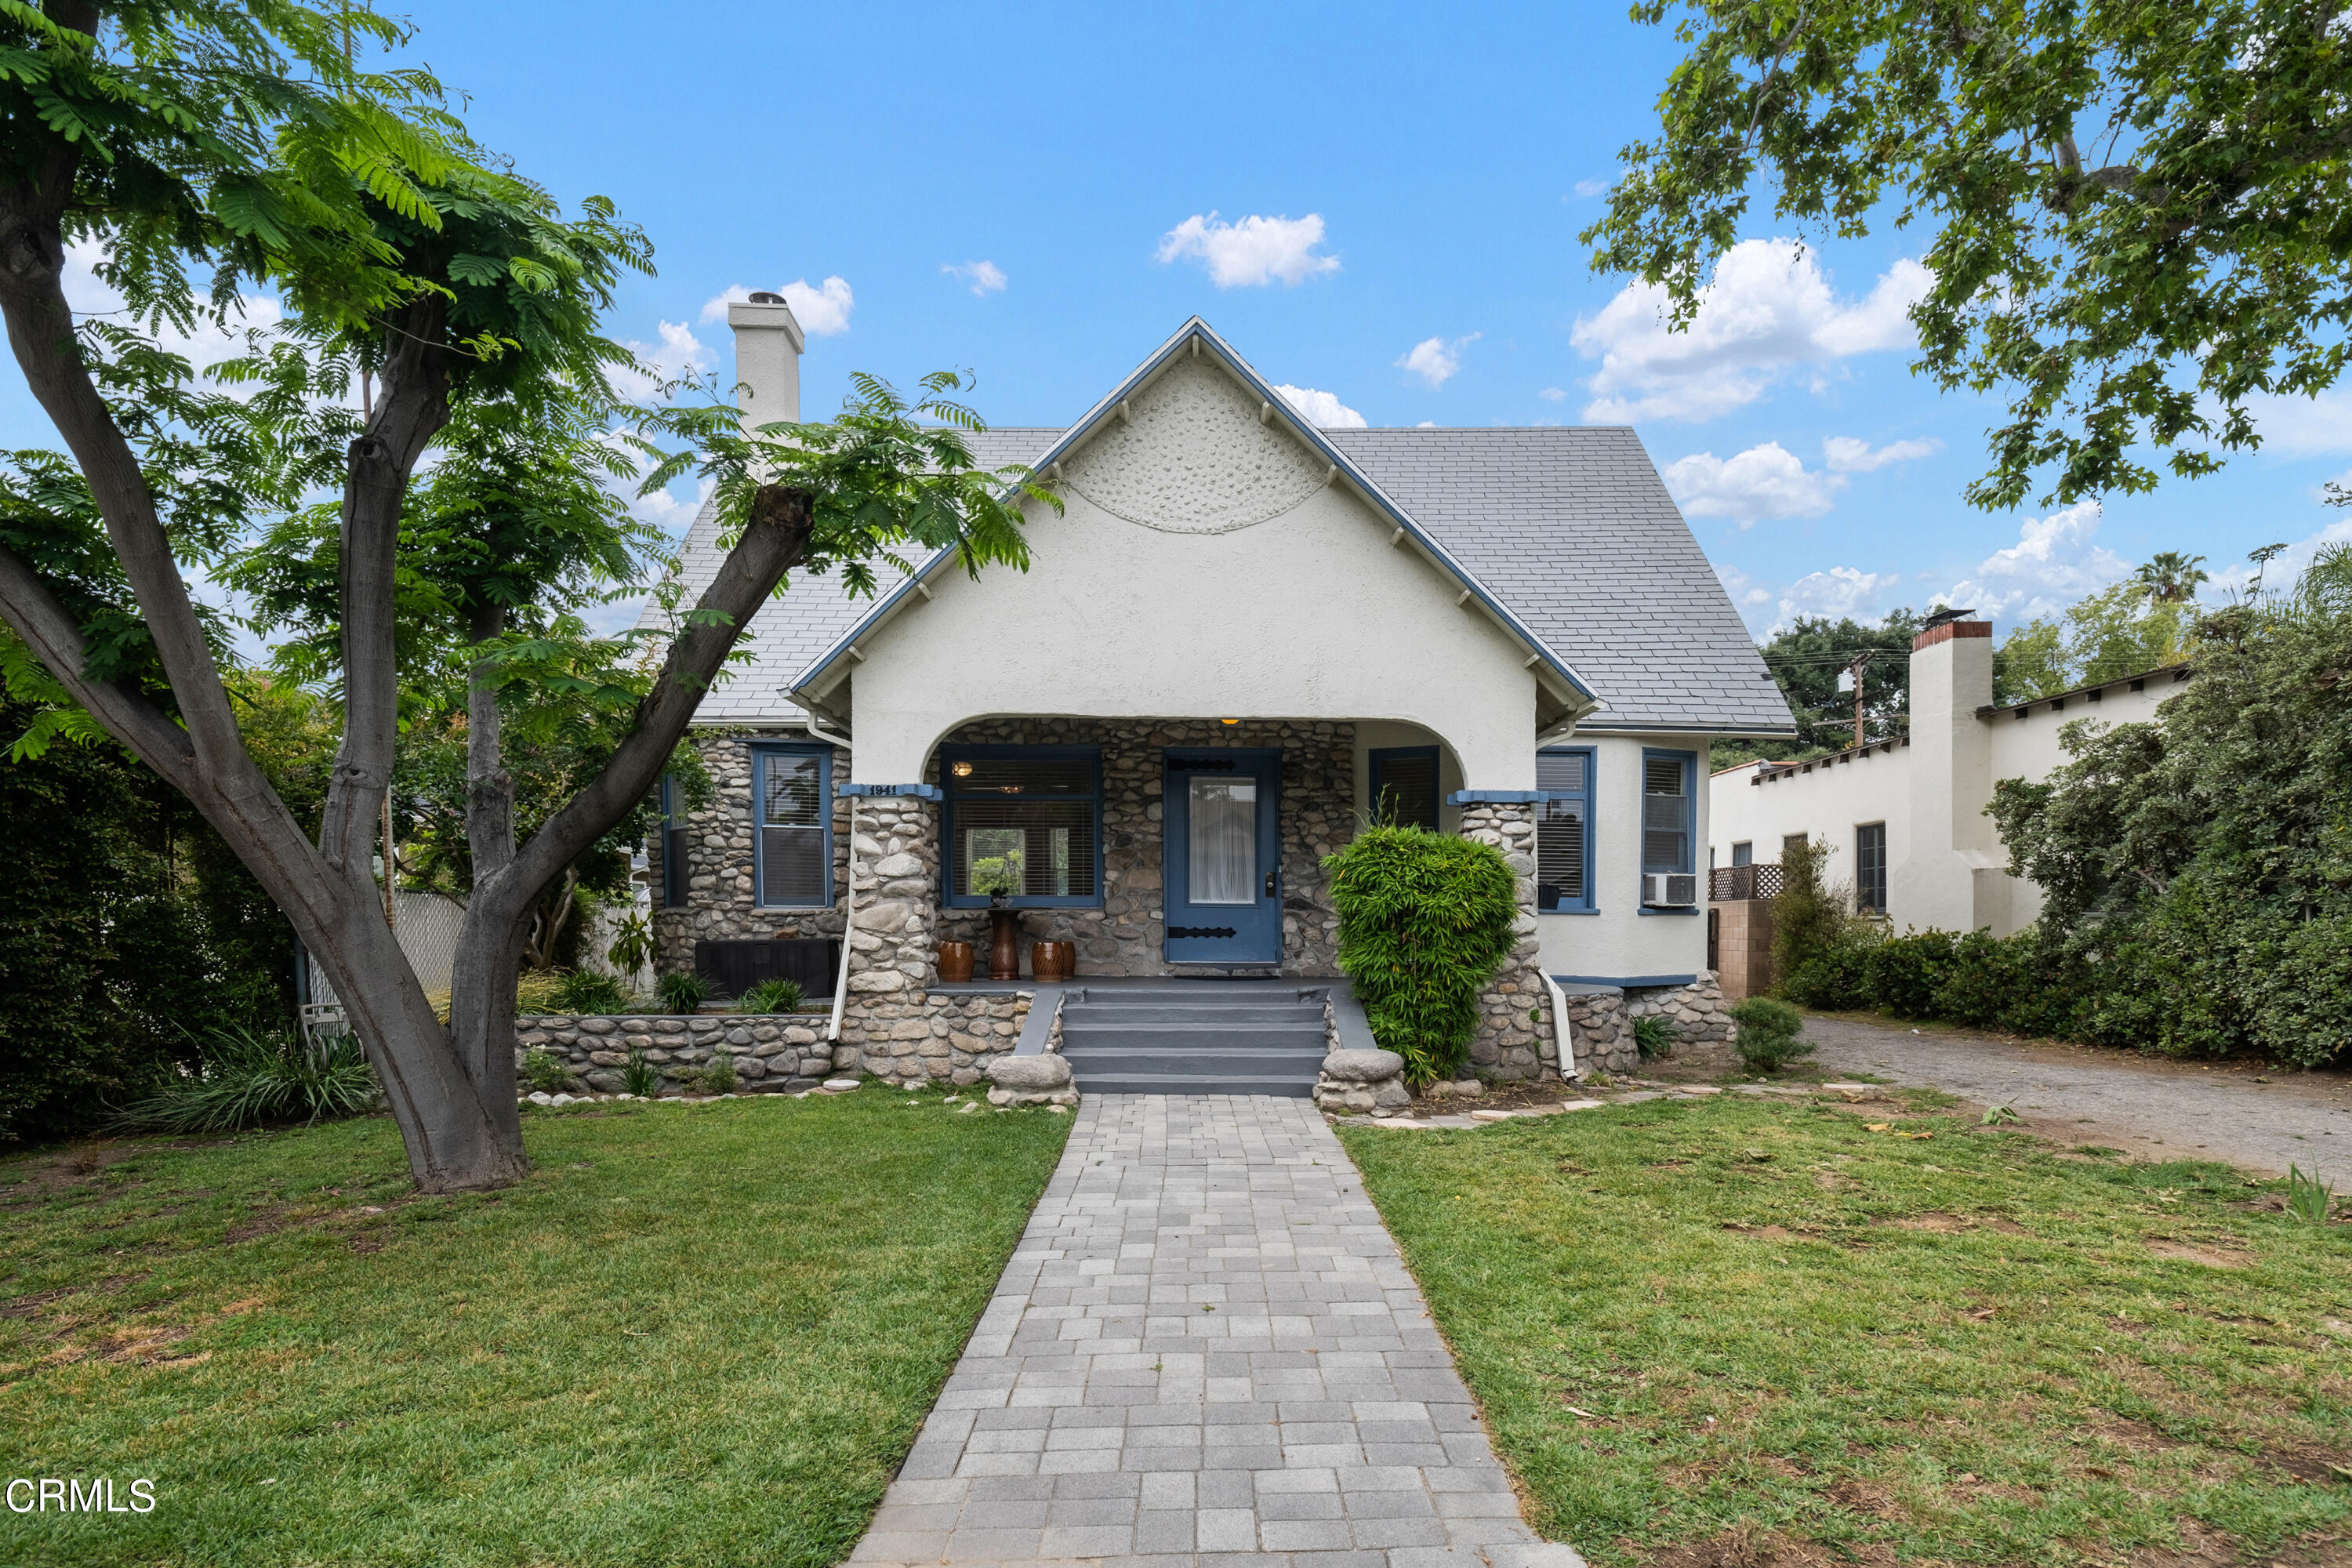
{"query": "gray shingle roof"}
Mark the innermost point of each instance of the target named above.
(1570, 528)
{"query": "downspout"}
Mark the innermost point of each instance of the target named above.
(849, 894)
(1560, 1033)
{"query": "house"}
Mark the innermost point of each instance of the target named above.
(1905, 819)
(1244, 637)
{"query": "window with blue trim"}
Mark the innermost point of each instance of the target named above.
(1404, 786)
(1669, 808)
(673, 844)
(792, 808)
(1023, 824)
(1564, 831)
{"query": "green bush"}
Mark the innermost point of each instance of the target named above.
(638, 1078)
(588, 992)
(248, 1081)
(682, 991)
(1818, 941)
(1903, 975)
(770, 996)
(1769, 1034)
(719, 1075)
(1425, 921)
(1835, 979)
(544, 1073)
(1653, 1036)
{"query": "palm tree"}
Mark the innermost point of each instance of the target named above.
(2170, 576)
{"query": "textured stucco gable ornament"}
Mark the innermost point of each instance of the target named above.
(1194, 454)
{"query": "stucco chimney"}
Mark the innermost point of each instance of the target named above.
(1952, 844)
(768, 346)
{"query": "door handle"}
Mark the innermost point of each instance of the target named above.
(1273, 883)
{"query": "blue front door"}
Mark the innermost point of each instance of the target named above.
(1224, 855)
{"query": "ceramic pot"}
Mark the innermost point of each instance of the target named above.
(955, 961)
(1003, 944)
(1053, 960)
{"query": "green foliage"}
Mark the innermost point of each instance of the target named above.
(770, 996)
(2123, 630)
(1653, 1036)
(2306, 1199)
(2146, 301)
(2197, 872)
(588, 992)
(637, 1074)
(682, 991)
(245, 1079)
(1425, 921)
(633, 944)
(1806, 659)
(1769, 1034)
(1819, 943)
(1905, 974)
(719, 1074)
(544, 1072)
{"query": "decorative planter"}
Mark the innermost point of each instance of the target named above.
(1003, 944)
(1053, 960)
(955, 961)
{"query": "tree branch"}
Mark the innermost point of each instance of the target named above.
(774, 541)
(37, 614)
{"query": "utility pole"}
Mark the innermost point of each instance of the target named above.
(1854, 672)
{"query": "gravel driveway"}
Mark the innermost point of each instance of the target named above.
(2159, 1109)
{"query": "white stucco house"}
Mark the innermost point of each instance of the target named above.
(1244, 637)
(1905, 819)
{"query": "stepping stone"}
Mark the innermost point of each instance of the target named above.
(1493, 1115)
(1582, 1104)
(841, 1085)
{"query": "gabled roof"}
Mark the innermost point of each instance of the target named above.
(1568, 532)
(1195, 337)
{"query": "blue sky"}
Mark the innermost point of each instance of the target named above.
(1376, 203)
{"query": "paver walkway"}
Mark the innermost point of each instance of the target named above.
(1205, 1350)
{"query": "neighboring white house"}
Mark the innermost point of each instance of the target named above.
(1244, 637)
(1905, 819)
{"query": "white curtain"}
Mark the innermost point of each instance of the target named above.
(1224, 841)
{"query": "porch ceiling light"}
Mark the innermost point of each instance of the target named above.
(1228, 721)
(962, 770)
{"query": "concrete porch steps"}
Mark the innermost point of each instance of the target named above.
(1192, 1038)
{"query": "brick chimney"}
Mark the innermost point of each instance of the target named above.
(768, 347)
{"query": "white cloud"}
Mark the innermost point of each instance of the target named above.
(679, 355)
(985, 277)
(87, 295)
(1322, 409)
(1846, 455)
(1768, 312)
(2054, 562)
(1553, 394)
(1434, 360)
(823, 310)
(1591, 188)
(2317, 427)
(1840, 591)
(1763, 481)
(1255, 250)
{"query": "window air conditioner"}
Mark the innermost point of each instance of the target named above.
(1675, 890)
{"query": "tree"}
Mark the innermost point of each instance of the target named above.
(2118, 631)
(2170, 577)
(2140, 215)
(238, 138)
(1808, 658)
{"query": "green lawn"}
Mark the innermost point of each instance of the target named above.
(696, 1335)
(1700, 1327)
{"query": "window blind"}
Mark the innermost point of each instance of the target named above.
(795, 867)
(1563, 830)
(1404, 788)
(1021, 826)
(1665, 814)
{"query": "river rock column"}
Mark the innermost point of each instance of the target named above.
(1514, 1037)
(891, 954)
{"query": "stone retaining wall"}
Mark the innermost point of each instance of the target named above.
(913, 1035)
(1601, 1032)
(1697, 1011)
(771, 1051)
(1601, 1020)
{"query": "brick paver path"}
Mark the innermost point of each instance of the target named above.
(1206, 1349)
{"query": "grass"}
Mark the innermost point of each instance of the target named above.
(1700, 1327)
(695, 1335)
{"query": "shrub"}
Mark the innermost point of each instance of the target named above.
(588, 991)
(1904, 974)
(682, 991)
(249, 1080)
(632, 945)
(1834, 980)
(719, 1075)
(1653, 1036)
(1819, 943)
(1768, 1039)
(638, 1076)
(1425, 919)
(534, 994)
(544, 1073)
(770, 996)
